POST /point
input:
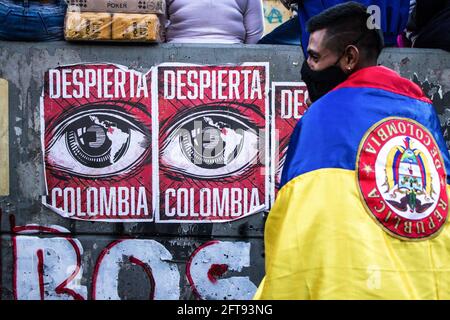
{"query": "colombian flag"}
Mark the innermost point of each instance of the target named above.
(362, 211)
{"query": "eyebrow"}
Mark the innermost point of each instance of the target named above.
(313, 53)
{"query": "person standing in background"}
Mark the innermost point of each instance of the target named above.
(429, 24)
(212, 21)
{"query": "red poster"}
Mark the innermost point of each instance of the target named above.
(213, 142)
(288, 105)
(96, 134)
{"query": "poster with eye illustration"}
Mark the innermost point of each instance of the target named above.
(213, 140)
(288, 106)
(96, 134)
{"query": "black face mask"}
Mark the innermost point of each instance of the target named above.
(321, 82)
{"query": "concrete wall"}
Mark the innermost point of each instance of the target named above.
(56, 257)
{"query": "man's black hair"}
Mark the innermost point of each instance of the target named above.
(346, 24)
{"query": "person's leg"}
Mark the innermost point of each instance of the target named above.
(31, 21)
(288, 34)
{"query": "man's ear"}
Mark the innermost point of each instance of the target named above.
(351, 58)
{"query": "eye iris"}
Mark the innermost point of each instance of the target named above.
(209, 142)
(97, 141)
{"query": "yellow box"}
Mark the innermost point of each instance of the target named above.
(132, 27)
(88, 26)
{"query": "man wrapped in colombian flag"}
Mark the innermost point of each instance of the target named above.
(362, 211)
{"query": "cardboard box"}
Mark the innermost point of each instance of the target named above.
(88, 26)
(118, 6)
(136, 27)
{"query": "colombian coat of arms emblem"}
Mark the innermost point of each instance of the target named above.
(402, 179)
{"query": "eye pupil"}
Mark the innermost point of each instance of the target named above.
(96, 136)
(211, 138)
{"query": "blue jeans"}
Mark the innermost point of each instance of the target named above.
(25, 20)
(286, 34)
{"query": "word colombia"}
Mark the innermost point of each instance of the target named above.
(101, 202)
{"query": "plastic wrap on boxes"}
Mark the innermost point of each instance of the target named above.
(88, 26)
(118, 6)
(136, 27)
(113, 27)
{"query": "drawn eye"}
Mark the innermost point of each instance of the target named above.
(211, 144)
(98, 142)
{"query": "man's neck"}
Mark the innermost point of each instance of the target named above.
(363, 65)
